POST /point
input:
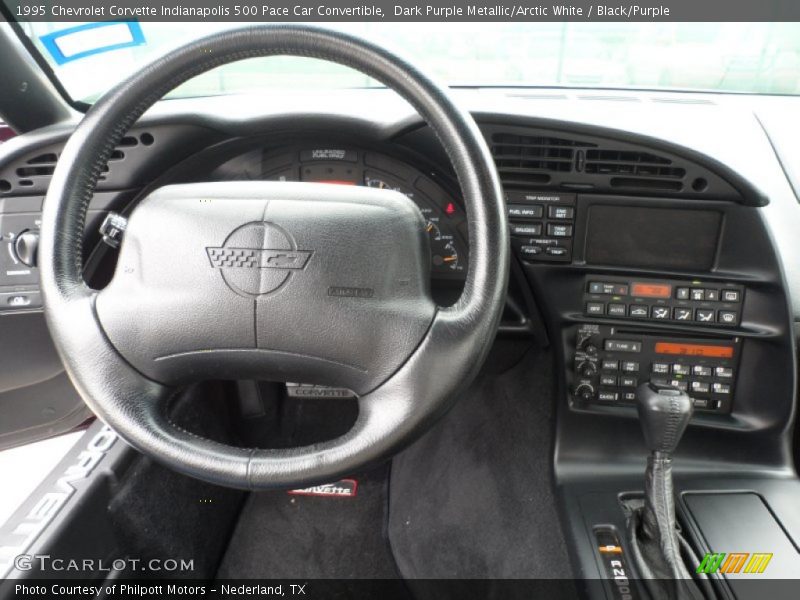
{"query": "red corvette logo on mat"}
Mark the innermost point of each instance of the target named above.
(343, 488)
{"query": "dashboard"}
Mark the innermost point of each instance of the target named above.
(641, 250)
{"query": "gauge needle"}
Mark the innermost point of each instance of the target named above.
(450, 258)
(429, 228)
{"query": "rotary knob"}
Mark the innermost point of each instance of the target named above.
(585, 392)
(587, 368)
(26, 246)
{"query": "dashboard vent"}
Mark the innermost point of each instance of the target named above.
(523, 159)
(634, 169)
(43, 164)
(32, 175)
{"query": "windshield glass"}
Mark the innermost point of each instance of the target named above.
(733, 57)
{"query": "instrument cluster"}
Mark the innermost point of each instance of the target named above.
(445, 220)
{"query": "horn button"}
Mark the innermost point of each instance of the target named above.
(258, 259)
(274, 281)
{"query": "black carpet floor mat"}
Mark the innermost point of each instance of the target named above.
(282, 536)
(474, 497)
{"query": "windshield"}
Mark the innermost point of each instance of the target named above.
(732, 57)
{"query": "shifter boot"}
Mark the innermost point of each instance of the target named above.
(664, 413)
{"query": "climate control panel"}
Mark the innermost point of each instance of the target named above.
(607, 363)
(667, 301)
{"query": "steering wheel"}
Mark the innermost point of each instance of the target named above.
(275, 281)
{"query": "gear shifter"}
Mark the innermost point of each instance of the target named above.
(664, 412)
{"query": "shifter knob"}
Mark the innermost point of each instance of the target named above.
(664, 412)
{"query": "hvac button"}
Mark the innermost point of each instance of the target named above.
(639, 311)
(704, 316)
(728, 317)
(617, 310)
(730, 295)
(595, 308)
(682, 314)
(660, 312)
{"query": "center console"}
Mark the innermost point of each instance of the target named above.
(684, 294)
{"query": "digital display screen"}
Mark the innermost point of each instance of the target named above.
(651, 290)
(694, 350)
(636, 236)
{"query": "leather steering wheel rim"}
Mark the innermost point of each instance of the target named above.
(392, 414)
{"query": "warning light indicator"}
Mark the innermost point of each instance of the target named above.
(651, 290)
(450, 209)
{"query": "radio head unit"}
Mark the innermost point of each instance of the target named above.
(608, 363)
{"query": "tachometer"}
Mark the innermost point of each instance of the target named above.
(444, 250)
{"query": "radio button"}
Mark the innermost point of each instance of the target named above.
(700, 402)
(726, 372)
(628, 381)
(608, 396)
(700, 387)
(610, 365)
(661, 368)
(681, 369)
(629, 396)
(630, 367)
(680, 384)
(701, 371)
(623, 346)
(609, 380)
(721, 388)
